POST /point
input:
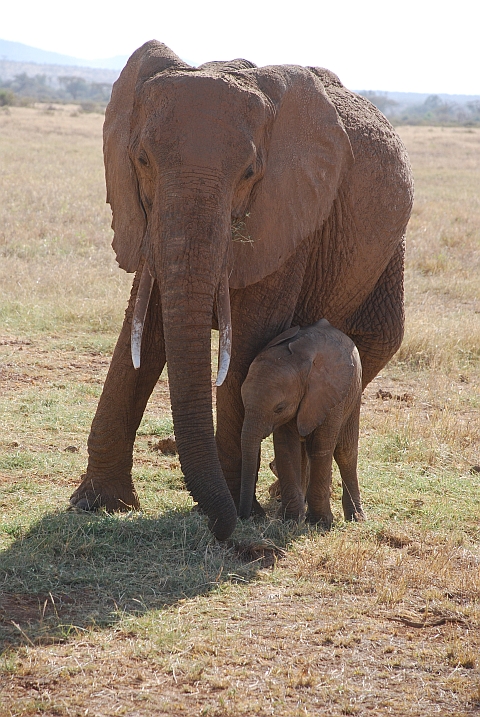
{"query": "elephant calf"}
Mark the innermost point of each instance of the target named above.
(306, 387)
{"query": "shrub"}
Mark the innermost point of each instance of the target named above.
(7, 97)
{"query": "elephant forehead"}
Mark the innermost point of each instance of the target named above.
(264, 394)
(201, 121)
(272, 373)
(197, 94)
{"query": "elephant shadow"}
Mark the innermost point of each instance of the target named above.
(73, 572)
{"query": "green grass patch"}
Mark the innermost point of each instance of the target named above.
(151, 426)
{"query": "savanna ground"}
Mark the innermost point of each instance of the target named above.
(145, 613)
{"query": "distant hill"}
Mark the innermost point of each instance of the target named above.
(32, 74)
(18, 52)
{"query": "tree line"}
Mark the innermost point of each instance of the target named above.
(433, 111)
(24, 88)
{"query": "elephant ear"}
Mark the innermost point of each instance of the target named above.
(129, 221)
(288, 334)
(331, 372)
(307, 156)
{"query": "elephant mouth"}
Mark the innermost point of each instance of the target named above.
(240, 230)
(223, 313)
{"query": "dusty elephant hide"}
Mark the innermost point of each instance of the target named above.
(319, 188)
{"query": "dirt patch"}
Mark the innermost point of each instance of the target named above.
(41, 619)
(26, 364)
(276, 652)
(14, 342)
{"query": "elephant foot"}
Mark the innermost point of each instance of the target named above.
(287, 514)
(274, 490)
(357, 515)
(114, 496)
(352, 512)
(323, 522)
(257, 509)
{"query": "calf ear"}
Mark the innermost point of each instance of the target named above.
(288, 334)
(330, 374)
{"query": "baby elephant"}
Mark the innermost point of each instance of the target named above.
(306, 387)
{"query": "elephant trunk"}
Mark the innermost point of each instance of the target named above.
(190, 266)
(252, 437)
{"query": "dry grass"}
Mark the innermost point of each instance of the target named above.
(146, 614)
(443, 254)
(57, 270)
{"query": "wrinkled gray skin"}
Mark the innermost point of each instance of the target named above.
(305, 387)
(273, 195)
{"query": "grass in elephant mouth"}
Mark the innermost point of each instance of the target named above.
(144, 613)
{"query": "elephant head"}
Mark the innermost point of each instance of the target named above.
(302, 374)
(187, 152)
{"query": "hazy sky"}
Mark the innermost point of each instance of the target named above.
(410, 45)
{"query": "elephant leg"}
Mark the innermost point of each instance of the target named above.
(377, 325)
(274, 488)
(346, 456)
(320, 446)
(288, 457)
(108, 480)
(259, 313)
(305, 467)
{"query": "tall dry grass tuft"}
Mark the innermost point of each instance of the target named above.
(443, 249)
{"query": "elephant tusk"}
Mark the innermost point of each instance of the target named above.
(224, 329)
(139, 313)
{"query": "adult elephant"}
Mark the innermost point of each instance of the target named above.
(269, 195)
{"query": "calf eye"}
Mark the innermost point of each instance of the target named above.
(249, 172)
(143, 159)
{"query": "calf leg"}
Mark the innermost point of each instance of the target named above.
(346, 455)
(288, 458)
(320, 446)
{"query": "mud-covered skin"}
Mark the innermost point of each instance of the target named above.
(321, 186)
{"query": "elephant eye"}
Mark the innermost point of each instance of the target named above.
(281, 407)
(143, 159)
(249, 172)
